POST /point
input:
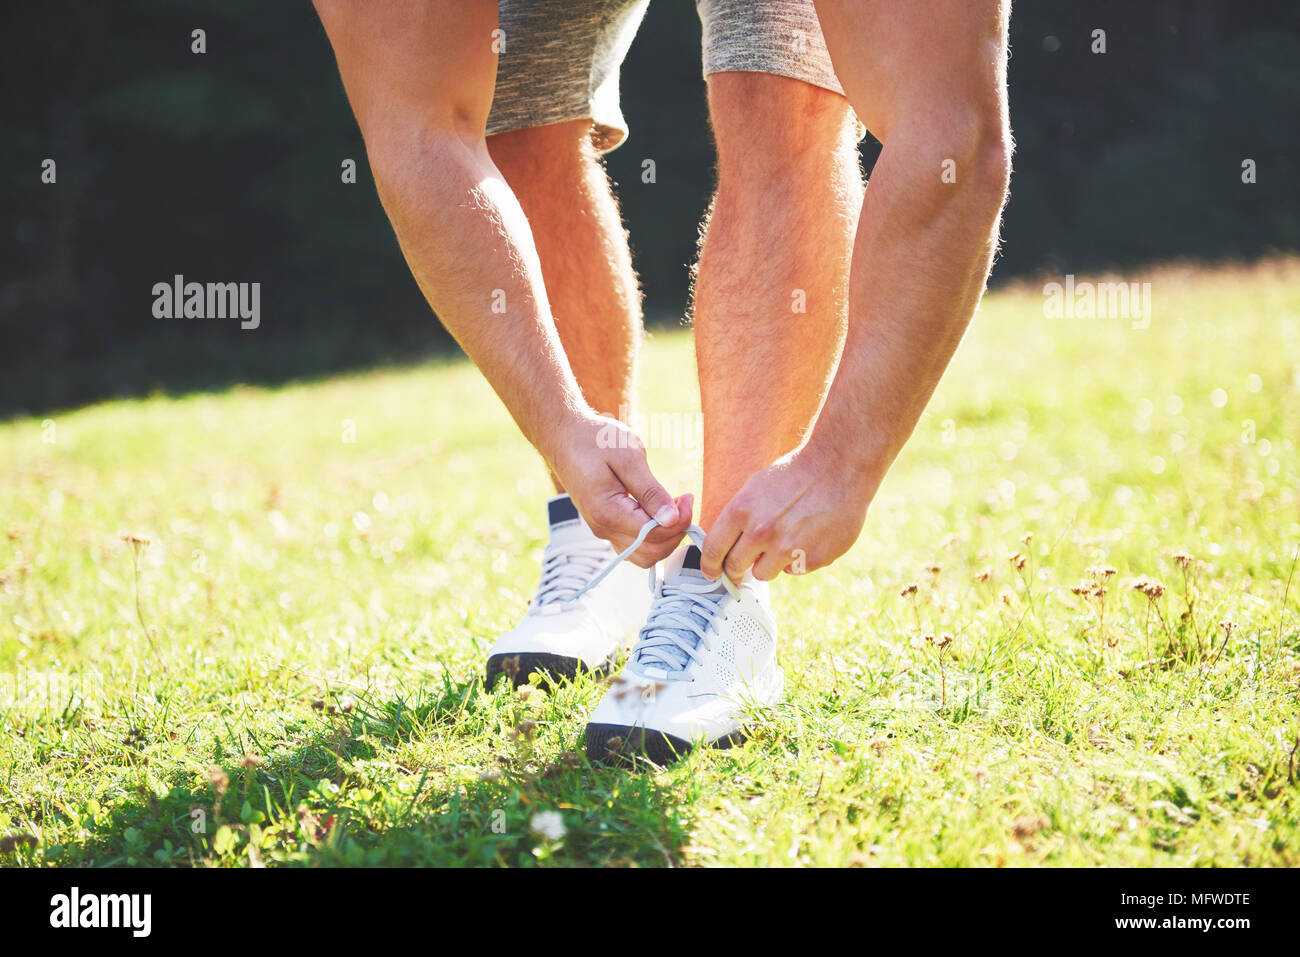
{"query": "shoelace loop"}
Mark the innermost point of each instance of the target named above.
(694, 533)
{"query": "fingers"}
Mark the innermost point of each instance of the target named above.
(742, 555)
(741, 540)
(722, 536)
(772, 563)
(674, 532)
(661, 542)
(646, 497)
(764, 556)
(685, 513)
(617, 494)
(617, 518)
(634, 472)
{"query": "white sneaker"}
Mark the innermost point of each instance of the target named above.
(706, 653)
(564, 632)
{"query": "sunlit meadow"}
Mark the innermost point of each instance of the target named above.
(249, 628)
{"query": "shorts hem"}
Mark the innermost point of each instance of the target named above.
(606, 134)
(831, 85)
(794, 75)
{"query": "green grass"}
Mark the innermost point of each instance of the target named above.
(298, 656)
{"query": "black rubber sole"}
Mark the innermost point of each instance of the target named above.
(619, 744)
(521, 666)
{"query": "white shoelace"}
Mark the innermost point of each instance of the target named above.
(567, 572)
(679, 617)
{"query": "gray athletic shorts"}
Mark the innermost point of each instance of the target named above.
(560, 58)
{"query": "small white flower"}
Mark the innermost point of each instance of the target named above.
(549, 824)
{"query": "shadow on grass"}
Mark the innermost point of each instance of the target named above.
(338, 798)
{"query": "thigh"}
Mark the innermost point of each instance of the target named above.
(901, 60)
(432, 59)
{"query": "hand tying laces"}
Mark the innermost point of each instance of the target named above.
(679, 617)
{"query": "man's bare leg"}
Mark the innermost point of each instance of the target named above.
(420, 75)
(772, 283)
(770, 302)
(556, 173)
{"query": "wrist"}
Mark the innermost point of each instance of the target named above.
(856, 462)
(565, 432)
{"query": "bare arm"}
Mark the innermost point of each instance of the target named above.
(929, 80)
(420, 78)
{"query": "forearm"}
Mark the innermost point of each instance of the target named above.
(929, 81)
(420, 78)
(469, 246)
(920, 262)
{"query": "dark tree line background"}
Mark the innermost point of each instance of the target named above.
(226, 167)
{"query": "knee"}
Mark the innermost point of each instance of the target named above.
(959, 152)
(772, 130)
(981, 136)
(411, 151)
(787, 162)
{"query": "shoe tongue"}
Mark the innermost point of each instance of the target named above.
(565, 523)
(684, 564)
